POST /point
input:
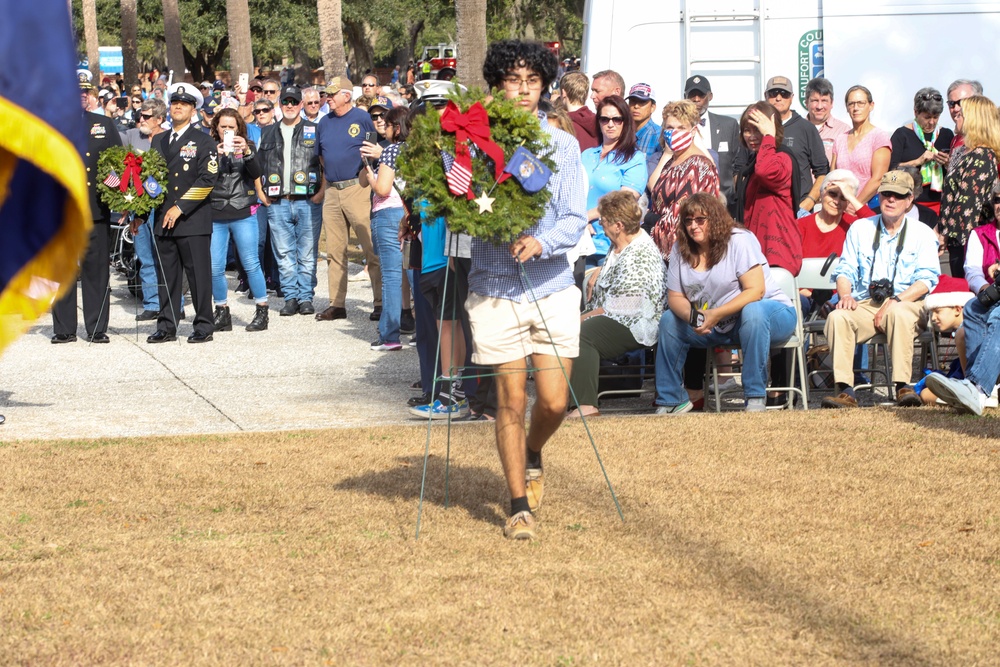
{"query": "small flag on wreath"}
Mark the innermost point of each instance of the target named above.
(529, 171)
(113, 180)
(152, 187)
(459, 178)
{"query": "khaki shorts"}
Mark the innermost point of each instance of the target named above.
(504, 330)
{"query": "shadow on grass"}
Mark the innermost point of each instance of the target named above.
(472, 488)
(967, 426)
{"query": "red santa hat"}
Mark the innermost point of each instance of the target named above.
(950, 292)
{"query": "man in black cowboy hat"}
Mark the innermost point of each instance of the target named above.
(184, 220)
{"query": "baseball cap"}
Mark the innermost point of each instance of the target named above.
(291, 92)
(339, 83)
(205, 84)
(218, 85)
(697, 82)
(380, 101)
(779, 83)
(897, 182)
(642, 91)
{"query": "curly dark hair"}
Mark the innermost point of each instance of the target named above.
(241, 126)
(719, 228)
(625, 147)
(510, 54)
(400, 117)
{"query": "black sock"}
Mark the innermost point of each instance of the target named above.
(534, 458)
(518, 505)
(844, 388)
(899, 385)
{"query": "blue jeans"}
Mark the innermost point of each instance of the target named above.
(759, 326)
(295, 226)
(244, 233)
(982, 344)
(143, 243)
(385, 240)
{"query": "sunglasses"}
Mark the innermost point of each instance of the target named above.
(610, 120)
(774, 92)
(368, 85)
(954, 103)
(256, 89)
(378, 116)
(700, 221)
(136, 101)
(313, 103)
(270, 92)
(257, 112)
(289, 102)
(145, 116)
(935, 97)
(889, 196)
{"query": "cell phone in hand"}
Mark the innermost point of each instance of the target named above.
(244, 81)
(697, 317)
(227, 141)
(371, 138)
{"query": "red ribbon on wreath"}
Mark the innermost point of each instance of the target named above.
(133, 170)
(474, 124)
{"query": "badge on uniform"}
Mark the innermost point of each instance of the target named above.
(354, 130)
(273, 190)
(312, 176)
(98, 130)
(300, 189)
(308, 135)
(213, 165)
(299, 177)
(274, 178)
(189, 151)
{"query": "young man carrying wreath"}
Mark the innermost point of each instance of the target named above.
(537, 314)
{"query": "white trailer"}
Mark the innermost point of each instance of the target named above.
(894, 47)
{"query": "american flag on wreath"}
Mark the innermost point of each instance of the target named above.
(459, 177)
(113, 180)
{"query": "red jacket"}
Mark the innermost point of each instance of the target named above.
(767, 212)
(585, 124)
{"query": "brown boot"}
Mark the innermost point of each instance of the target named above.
(844, 400)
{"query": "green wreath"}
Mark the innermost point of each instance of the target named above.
(514, 209)
(118, 165)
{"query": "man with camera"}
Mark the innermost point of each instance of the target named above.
(981, 323)
(888, 264)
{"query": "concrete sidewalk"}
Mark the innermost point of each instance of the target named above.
(298, 374)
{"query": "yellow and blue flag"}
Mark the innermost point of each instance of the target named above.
(44, 207)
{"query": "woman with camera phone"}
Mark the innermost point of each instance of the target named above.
(719, 292)
(234, 193)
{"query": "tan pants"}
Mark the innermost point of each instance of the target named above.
(344, 210)
(846, 328)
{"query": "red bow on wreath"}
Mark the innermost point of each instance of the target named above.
(473, 124)
(133, 170)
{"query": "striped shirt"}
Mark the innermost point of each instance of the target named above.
(917, 261)
(496, 274)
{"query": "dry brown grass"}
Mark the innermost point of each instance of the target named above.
(804, 539)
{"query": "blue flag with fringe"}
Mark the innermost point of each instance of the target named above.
(45, 216)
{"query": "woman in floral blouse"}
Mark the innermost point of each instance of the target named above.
(626, 301)
(965, 203)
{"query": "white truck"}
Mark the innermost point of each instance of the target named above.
(893, 47)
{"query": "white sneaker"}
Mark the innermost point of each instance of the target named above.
(991, 400)
(962, 395)
(728, 385)
(674, 410)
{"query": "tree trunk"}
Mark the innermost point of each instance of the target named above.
(172, 35)
(331, 38)
(130, 50)
(361, 48)
(90, 35)
(470, 19)
(240, 48)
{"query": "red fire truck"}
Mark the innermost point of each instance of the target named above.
(442, 59)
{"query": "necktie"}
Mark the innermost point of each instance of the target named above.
(173, 138)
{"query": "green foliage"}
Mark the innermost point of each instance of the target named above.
(153, 165)
(514, 210)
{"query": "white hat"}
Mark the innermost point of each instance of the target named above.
(947, 299)
(185, 92)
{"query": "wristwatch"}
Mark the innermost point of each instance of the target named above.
(896, 298)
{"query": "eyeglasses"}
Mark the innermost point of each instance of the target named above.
(257, 112)
(858, 103)
(368, 85)
(935, 97)
(145, 116)
(313, 103)
(377, 116)
(954, 103)
(256, 89)
(610, 120)
(289, 102)
(776, 92)
(271, 92)
(700, 221)
(136, 101)
(892, 196)
(534, 82)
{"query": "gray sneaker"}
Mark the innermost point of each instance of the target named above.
(674, 409)
(962, 395)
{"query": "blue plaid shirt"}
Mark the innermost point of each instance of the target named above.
(647, 140)
(495, 273)
(917, 261)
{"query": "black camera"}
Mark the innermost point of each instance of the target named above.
(879, 291)
(991, 295)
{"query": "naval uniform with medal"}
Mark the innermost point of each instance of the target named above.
(183, 228)
(95, 270)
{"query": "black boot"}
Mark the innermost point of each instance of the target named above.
(223, 320)
(259, 322)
